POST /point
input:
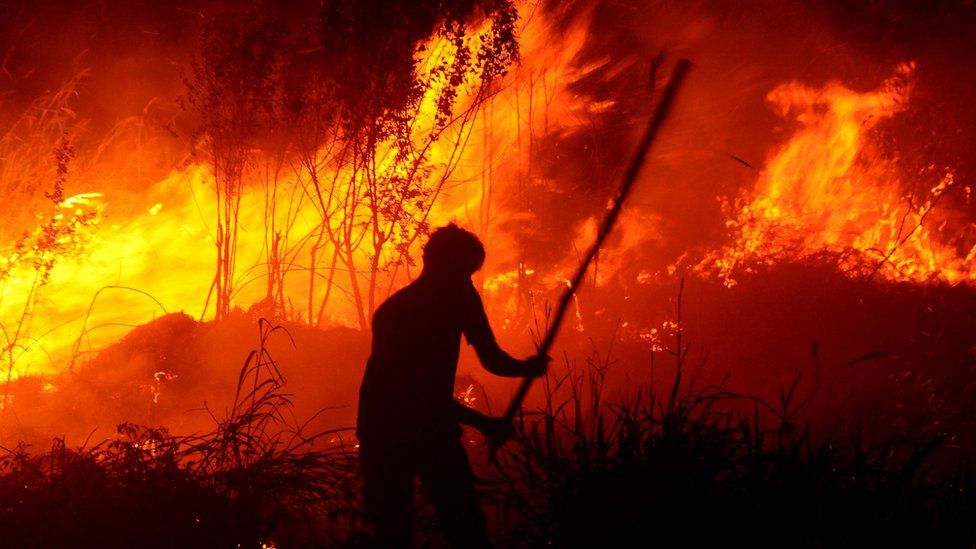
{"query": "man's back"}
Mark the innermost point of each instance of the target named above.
(407, 391)
(408, 419)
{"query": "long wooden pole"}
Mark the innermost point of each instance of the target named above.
(630, 176)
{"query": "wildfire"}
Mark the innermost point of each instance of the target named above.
(829, 192)
(320, 241)
(306, 257)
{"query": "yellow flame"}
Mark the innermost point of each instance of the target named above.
(829, 190)
(153, 253)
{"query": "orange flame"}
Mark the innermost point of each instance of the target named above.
(151, 253)
(828, 190)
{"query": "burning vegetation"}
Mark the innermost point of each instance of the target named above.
(207, 202)
(829, 191)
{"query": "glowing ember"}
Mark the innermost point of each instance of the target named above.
(467, 396)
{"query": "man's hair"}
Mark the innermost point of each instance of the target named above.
(453, 250)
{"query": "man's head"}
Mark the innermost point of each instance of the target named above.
(453, 251)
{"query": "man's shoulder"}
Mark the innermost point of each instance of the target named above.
(425, 294)
(404, 298)
(393, 302)
(470, 294)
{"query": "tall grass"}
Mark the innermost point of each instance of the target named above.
(659, 466)
(255, 479)
(702, 466)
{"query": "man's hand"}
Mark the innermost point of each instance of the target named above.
(497, 430)
(536, 366)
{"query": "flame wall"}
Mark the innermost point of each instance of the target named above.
(836, 133)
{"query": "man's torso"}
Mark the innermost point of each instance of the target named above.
(408, 386)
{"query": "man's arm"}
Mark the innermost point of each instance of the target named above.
(477, 331)
(496, 429)
(469, 416)
(497, 361)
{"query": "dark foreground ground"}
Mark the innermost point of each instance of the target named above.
(866, 446)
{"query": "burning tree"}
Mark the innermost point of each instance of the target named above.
(231, 87)
(27, 268)
(373, 105)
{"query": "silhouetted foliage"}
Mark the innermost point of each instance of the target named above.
(254, 479)
(355, 95)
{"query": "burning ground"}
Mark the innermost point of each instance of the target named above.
(783, 315)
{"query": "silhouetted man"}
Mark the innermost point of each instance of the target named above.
(408, 422)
